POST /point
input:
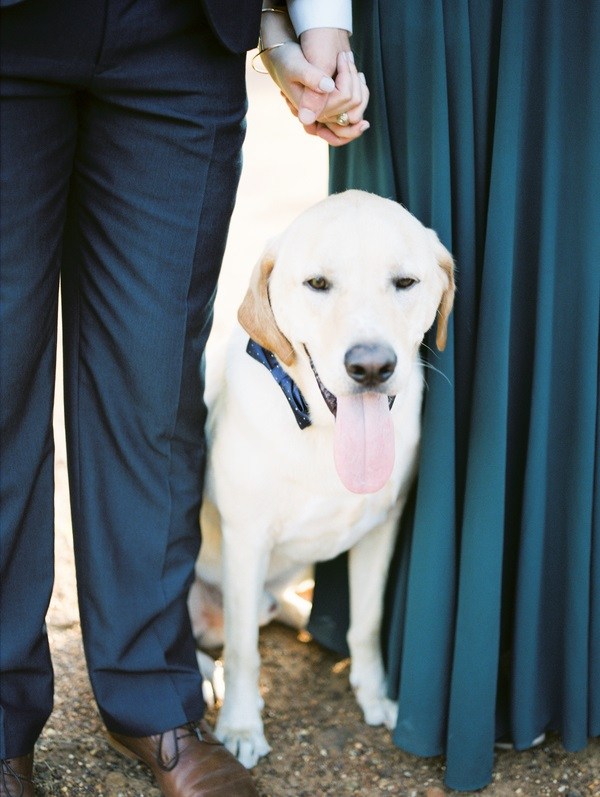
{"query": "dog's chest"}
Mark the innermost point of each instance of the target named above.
(314, 527)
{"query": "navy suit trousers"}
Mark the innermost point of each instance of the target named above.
(122, 126)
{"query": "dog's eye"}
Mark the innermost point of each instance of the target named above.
(403, 283)
(318, 283)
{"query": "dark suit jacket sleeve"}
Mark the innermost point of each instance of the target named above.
(236, 24)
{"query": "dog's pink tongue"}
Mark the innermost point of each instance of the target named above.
(363, 442)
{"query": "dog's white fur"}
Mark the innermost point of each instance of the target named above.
(274, 501)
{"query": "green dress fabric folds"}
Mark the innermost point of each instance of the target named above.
(485, 123)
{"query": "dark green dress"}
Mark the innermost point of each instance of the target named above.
(486, 124)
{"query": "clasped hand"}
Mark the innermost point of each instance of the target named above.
(319, 81)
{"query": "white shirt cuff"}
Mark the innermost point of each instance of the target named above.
(307, 14)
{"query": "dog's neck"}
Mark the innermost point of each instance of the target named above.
(290, 389)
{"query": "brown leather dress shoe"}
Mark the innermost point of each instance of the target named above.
(16, 776)
(188, 762)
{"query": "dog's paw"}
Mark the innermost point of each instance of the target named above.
(248, 745)
(378, 710)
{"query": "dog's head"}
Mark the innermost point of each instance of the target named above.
(355, 269)
(348, 292)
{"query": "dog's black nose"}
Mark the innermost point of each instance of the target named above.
(370, 364)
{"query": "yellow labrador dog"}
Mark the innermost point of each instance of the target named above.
(314, 433)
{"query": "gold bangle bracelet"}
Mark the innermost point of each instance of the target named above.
(266, 50)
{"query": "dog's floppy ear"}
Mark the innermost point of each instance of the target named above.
(256, 315)
(446, 262)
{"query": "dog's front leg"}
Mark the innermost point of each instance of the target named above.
(239, 725)
(369, 563)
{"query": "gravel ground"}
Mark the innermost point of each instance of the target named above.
(320, 744)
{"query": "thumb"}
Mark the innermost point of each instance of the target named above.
(315, 92)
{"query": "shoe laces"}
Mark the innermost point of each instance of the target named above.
(184, 732)
(9, 776)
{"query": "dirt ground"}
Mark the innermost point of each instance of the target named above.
(320, 744)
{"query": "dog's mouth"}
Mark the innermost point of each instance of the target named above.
(363, 443)
(328, 396)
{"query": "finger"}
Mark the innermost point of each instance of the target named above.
(347, 82)
(358, 112)
(290, 104)
(316, 88)
(311, 105)
(312, 130)
(349, 117)
(337, 136)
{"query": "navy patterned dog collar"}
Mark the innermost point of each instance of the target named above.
(290, 389)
